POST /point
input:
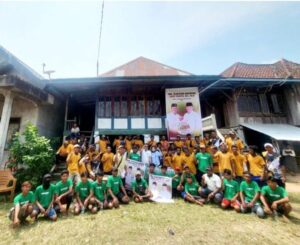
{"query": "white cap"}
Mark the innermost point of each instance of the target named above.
(268, 144)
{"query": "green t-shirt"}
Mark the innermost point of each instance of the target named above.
(139, 186)
(231, 187)
(273, 195)
(44, 197)
(114, 183)
(83, 189)
(184, 177)
(62, 188)
(204, 160)
(176, 181)
(146, 175)
(99, 190)
(191, 188)
(249, 190)
(22, 200)
(135, 157)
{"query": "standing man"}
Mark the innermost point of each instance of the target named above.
(102, 143)
(73, 164)
(204, 160)
(134, 155)
(256, 165)
(107, 161)
(178, 142)
(177, 160)
(190, 160)
(226, 160)
(146, 155)
(120, 161)
(240, 163)
(234, 140)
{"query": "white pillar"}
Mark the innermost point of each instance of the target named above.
(5, 117)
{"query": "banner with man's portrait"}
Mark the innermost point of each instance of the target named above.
(183, 112)
(132, 167)
(161, 188)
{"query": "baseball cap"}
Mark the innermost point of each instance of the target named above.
(76, 146)
(202, 146)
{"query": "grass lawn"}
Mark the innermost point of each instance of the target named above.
(151, 223)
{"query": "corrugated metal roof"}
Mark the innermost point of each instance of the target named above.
(276, 131)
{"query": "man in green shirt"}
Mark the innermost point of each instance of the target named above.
(134, 155)
(150, 170)
(176, 182)
(186, 172)
(83, 194)
(140, 189)
(23, 205)
(191, 191)
(275, 198)
(203, 160)
(249, 195)
(116, 190)
(44, 198)
(99, 198)
(64, 189)
(231, 191)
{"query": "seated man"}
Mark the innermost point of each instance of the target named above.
(116, 190)
(64, 193)
(211, 187)
(140, 188)
(150, 170)
(231, 191)
(62, 153)
(99, 198)
(249, 195)
(23, 205)
(186, 172)
(44, 198)
(275, 198)
(191, 191)
(83, 194)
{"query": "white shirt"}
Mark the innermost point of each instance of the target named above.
(146, 157)
(75, 130)
(173, 121)
(194, 121)
(213, 182)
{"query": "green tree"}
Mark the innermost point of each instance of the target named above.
(31, 155)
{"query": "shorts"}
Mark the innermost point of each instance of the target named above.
(119, 196)
(230, 203)
(51, 212)
(175, 192)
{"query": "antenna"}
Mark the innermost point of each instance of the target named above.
(100, 33)
(47, 72)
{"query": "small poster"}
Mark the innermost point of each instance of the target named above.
(132, 167)
(161, 188)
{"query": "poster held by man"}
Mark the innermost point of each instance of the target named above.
(183, 112)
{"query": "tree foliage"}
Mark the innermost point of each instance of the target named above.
(31, 155)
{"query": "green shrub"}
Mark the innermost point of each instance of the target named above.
(31, 155)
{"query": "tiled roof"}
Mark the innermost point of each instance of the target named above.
(280, 69)
(144, 67)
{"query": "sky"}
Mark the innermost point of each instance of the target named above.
(199, 37)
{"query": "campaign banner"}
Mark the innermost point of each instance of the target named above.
(183, 112)
(161, 188)
(132, 167)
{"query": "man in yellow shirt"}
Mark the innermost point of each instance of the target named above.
(73, 164)
(71, 144)
(189, 160)
(240, 163)
(256, 165)
(190, 143)
(215, 155)
(151, 142)
(118, 141)
(62, 153)
(164, 144)
(102, 142)
(234, 140)
(177, 160)
(128, 143)
(107, 161)
(226, 160)
(178, 142)
(137, 141)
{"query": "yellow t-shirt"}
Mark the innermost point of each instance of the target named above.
(140, 143)
(102, 145)
(191, 162)
(81, 168)
(224, 161)
(177, 161)
(216, 168)
(92, 154)
(72, 161)
(256, 164)
(107, 161)
(70, 148)
(239, 164)
(63, 151)
(128, 145)
(178, 143)
(168, 161)
(117, 143)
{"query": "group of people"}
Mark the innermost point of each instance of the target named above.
(203, 170)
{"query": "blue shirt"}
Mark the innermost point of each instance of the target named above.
(156, 156)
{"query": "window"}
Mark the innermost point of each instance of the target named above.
(277, 103)
(249, 103)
